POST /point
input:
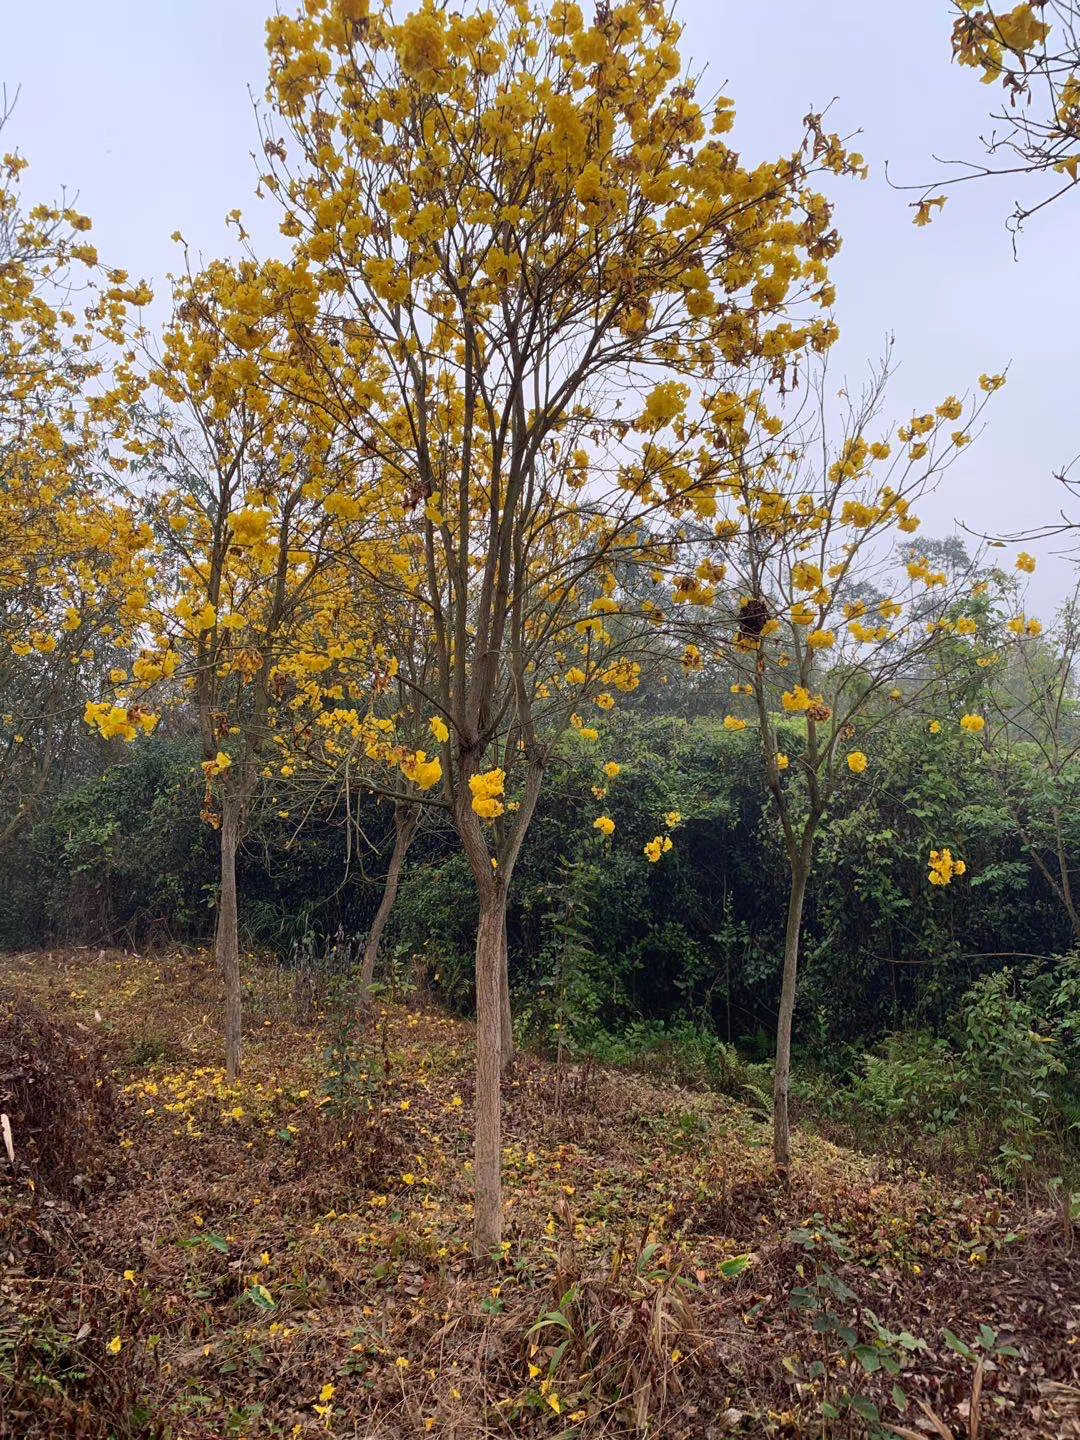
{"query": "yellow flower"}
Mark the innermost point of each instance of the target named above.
(943, 867)
(110, 721)
(657, 846)
(439, 730)
(782, 761)
(402, 1362)
(973, 723)
(1025, 562)
(821, 639)
(672, 819)
(326, 1393)
(423, 772)
(935, 727)
(857, 762)
(611, 769)
(806, 576)
(665, 404)
(604, 824)
(114, 1344)
(732, 722)
(249, 526)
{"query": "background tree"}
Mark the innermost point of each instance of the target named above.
(258, 500)
(1031, 740)
(378, 745)
(73, 572)
(826, 631)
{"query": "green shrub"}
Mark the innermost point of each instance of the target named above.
(1004, 1083)
(912, 1077)
(685, 1054)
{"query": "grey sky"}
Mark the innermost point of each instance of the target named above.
(143, 107)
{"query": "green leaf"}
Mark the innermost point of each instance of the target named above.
(868, 1358)
(955, 1344)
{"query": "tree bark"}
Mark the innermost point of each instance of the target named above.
(487, 1158)
(406, 818)
(506, 1021)
(782, 1074)
(227, 937)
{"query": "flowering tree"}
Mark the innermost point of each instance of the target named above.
(377, 744)
(825, 630)
(257, 502)
(1032, 52)
(528, 219)
(1021, 711)
(73, 568)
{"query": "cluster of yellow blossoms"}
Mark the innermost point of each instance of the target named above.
(943, 867)
(421, 771)
(801, 701)
(487, 791)
(118, 722)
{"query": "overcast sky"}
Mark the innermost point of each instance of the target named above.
(144, 108)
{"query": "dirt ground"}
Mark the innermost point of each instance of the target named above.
(289, 1257)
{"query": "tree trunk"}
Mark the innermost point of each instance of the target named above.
(782, 1075)
(487, 1159)
(506, 1022)
(1063, 870)
(406, 818)
(227, 938)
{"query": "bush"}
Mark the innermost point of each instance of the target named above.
(1010, 1068)
(913, 1078)
(1005, 1083)
(685, 1054)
